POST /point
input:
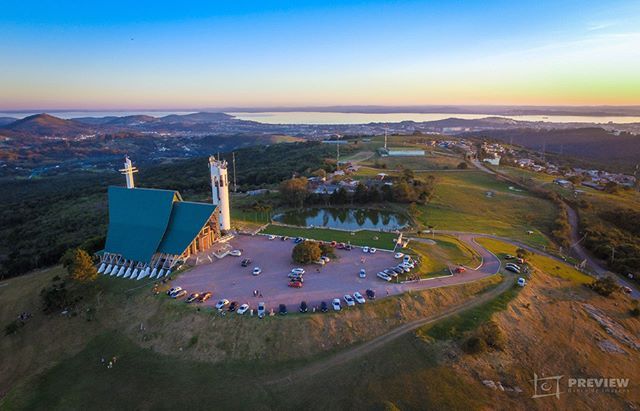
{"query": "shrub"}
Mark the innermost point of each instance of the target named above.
(306, 252)
(604, 286)
(463, 166)
(80, 266)
(13, 327)
(493, 335)
(474, 345)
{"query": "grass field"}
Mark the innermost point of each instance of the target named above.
(437, 258)
(460, 203)
(376, 239)
(545, 264)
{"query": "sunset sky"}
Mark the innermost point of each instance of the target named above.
(157, 55)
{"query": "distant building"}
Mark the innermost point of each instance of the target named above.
(494, 160)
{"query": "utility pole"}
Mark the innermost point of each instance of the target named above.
(235, 184)
(386, 128)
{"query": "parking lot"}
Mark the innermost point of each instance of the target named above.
(226, 278)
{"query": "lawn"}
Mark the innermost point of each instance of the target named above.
(381, 240)
(545, 264)
(437, 258)
(460, 203)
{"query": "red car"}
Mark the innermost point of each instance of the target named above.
(333, 244)
(460, 270)
(295, 284)
(340, 246)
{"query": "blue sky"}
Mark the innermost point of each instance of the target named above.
(211, 54)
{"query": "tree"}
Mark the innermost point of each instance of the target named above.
(463, 166)
(407, 174)
(81, 266)
(522, 253)
(306, 252)
(320, 173)
(294, 191)
(361, 195)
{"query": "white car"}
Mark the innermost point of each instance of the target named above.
(320, 262)
(406, 258)
(242, 309)
(403, 268)
(298, 271)
(262, 310)
(372, 250)
(398, 255)
(325, 259)
(257, 270)
(363, 273)
(365, 249)
(235, 253)
(383, 276)
(222, 303)
(272, 237)
(522, 282)
(359, 298)
(336, 304)
(349, 300)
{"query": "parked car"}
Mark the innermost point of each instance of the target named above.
(359, 298)
(295, 284)
(513, 269)
(372, 250)
(365, 249)
(371, 294)
(459, 270)
(272, 237)
(349, 300)
(325, 259)
(282, 309)
(222, 303)
(320, 262)
(398, 255)
(398, 270)
(303, 307)
(509, 257)
(179, 294)
(243, 309)
(626, 289)
(522, 282)
(256, 271)
(336, 304)
(297, 278)
(363, 273)
(404, 269)
(383, 276)
(520, 260)
(204, 296)
(245, 262)
(298, 271)
(409, 264)
(333, 244)
(284, 238)
(324, 307)
(517, 267)
(233, 306)
(348, 247)
(191, 298)
(298, 240)
(406, 258)
(174, 290)
(341, 246)
(235, 253)
(262, 310)
(390, 272)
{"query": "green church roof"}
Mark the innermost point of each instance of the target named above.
(187, 219)
(144, 221)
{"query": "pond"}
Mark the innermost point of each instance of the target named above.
(344, 218)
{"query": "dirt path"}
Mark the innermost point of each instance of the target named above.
(369, 346)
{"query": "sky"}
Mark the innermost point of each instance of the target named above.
(171, 55)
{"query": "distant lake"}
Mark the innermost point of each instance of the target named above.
(344, 218)
(299, 117)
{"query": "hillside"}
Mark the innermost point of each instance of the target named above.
(590, 143)
(551, 327)
(46, 125)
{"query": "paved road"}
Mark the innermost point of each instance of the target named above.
(378, 342)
